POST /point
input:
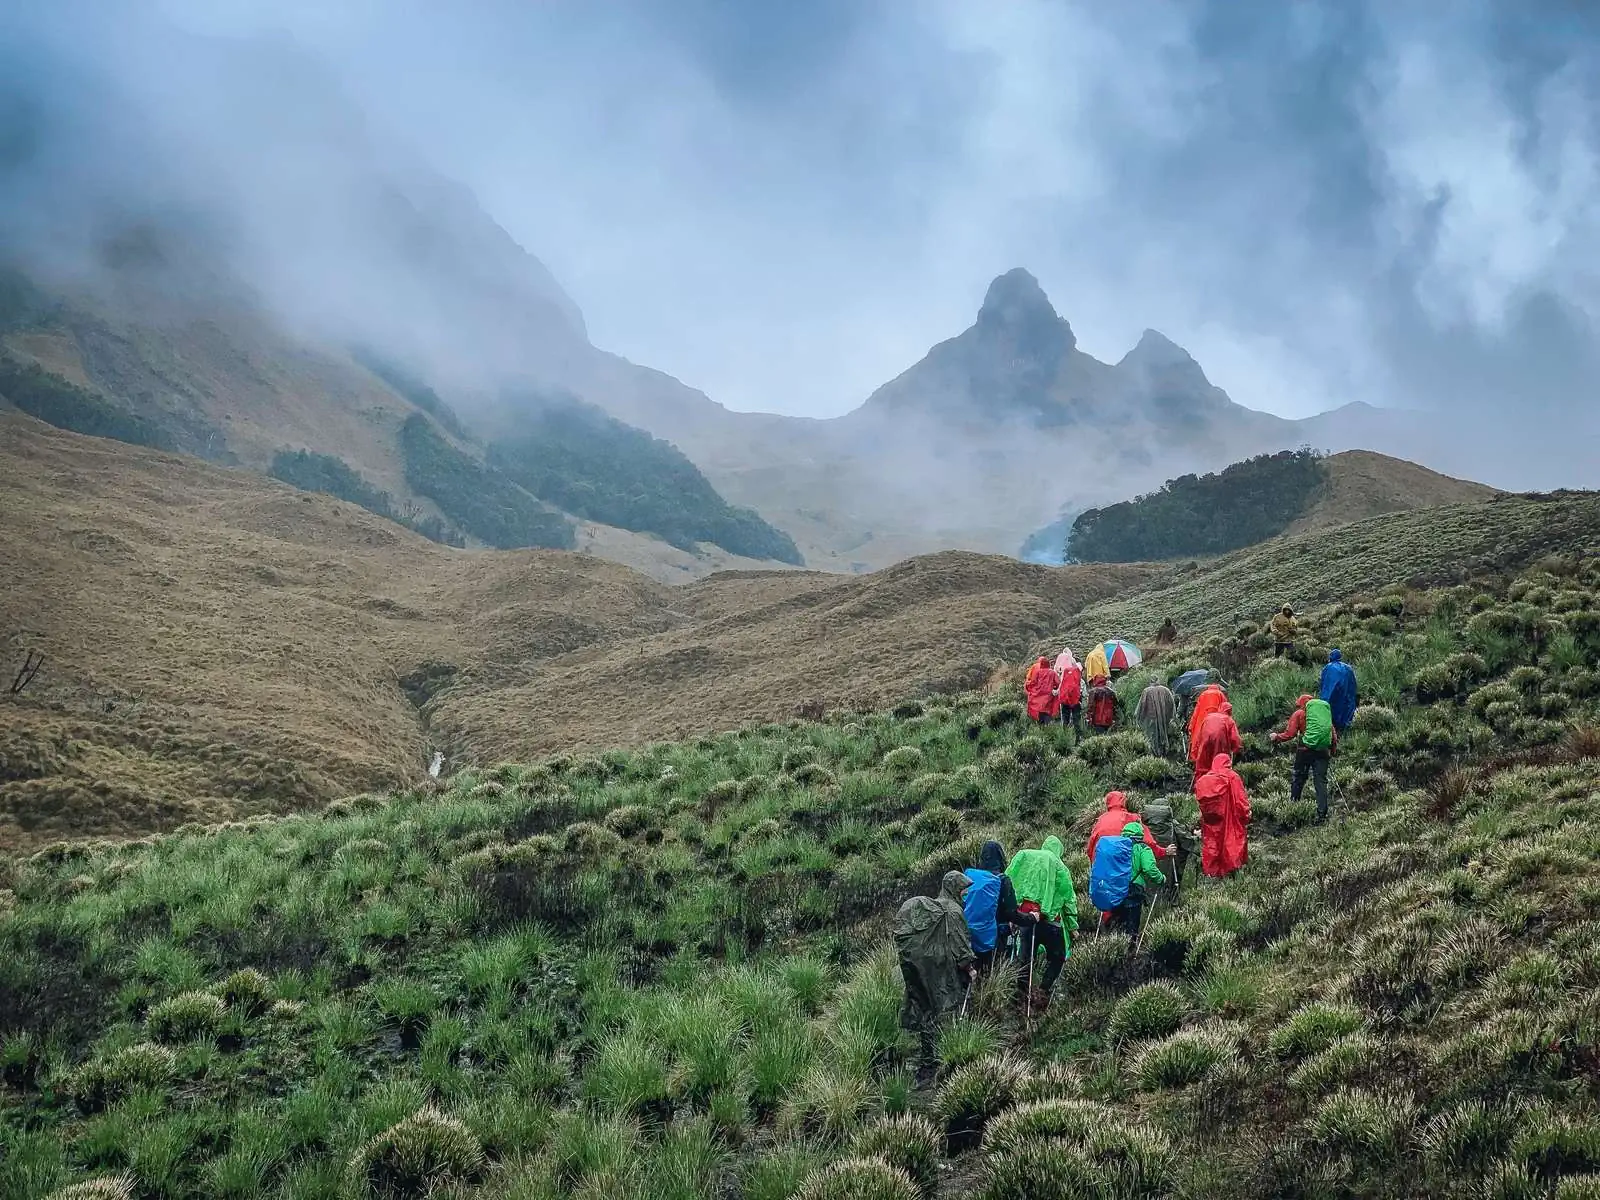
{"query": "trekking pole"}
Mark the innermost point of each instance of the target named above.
(964, 999)
(1027, 1003)
(1138, 944)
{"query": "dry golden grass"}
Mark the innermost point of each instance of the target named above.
(218, 644)
(1362, 484)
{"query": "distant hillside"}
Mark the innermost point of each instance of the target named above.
(218, 643)
(1260, 498)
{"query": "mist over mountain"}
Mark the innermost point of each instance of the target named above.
(204, 225)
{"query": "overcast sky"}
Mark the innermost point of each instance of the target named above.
(785, 205)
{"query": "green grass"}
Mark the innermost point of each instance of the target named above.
(666, 973)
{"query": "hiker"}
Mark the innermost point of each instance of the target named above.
(1158, 709)
(1161, 825)
(1110, 824)
(1218, 734)
(1041, 687)
(1211, 698)
(1167, 634)
(1338, 688)
(1096, 663)
(991, 907)
(1224, 818)
(1122, 868)
(1103, 702)
(1315, 740)
(1187, 686)
(936, 959)
(1284, 630)
(1070, 692)
(1045, 892)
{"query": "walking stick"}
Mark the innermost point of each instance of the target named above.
(1027, 1000)
(964, 999)
(1140, 943)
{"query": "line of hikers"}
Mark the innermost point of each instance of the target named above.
(983, 914)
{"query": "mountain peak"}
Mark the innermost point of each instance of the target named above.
(1157, 349)
(1013, 298)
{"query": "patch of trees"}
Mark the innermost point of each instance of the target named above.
(334, 477)
(1247, 503)
(53, 400)
(412, 388)
(599, 468)
(482, 500)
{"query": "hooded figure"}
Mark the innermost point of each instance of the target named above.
(1111, 822)
(1217, 735)
(1157, 710)
(1065, 661)
(935, 948)
(1143, 872)
(1044, 886)
(1206, 703)
(991, 906)
(1041, 689)
(1096, 663)
(1161, 824)
(1224, 818)
(1103, 704)
(1339, 690)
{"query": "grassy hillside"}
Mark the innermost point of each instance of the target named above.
(663, 973)
(220, 645)
(1438, 544)
(1251, 501)
(593, 466)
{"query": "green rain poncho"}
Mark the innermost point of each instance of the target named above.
(1145, 868)
(1157, 711)
(934, 945)
(1040, 876)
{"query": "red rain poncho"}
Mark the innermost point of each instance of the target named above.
(1041, 690)
(1206, 703)
(1224, 818)
(1217, 735)
(1111, 824)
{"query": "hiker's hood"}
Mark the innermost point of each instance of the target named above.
(953, 886)
(1052, 845)
(992, 858)
(1225, 709)
(1043, 661)
(1222, 762)
(1064, 660)
(1115, 801)
(1335, 656)
(1302, 702)
(1134, 830)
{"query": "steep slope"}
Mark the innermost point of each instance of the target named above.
(1292, 491)
(217, 643)
(669, 973)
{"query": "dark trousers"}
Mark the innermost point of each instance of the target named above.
(1054, 940)
(1312, 762)
(1073, 714)
(1125, 916)
(1279, 649)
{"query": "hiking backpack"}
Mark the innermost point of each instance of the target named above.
(1072, 687)
(1111, 873)
(981, 903)
(1319, 726)
(1102, 707)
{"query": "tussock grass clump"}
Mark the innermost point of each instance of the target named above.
(1375, 718)
(102, 1081)
(419, 1155)
(1345, 1062)
(1362, 1124)
(1313, 1028)
(966, 1041)
(107, 1187)
(975, 1094)
(828, 1102)
(909, 1142)
(249, 991)
(1075, 1120)
(186, 1017)
(1153, 1010)
(859, 1179)
(1150, 771)
(1183, 1059)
